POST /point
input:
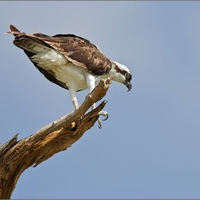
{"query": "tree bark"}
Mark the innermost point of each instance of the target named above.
(16, 156)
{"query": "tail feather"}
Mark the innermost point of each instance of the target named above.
(14, 31)
(28, 42)
(13, 28)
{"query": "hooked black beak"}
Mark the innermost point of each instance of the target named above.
(128, 85)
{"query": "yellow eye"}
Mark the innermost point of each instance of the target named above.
(128, 76)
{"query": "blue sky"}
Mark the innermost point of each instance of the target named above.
(149, 146)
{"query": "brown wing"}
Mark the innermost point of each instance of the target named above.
(79, 51)
(76, 49)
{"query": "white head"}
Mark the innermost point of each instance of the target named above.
(121, 74)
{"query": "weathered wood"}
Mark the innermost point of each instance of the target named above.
(16, 156)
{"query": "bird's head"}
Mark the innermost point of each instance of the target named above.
(122, 74)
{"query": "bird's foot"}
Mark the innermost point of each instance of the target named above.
(104, 114)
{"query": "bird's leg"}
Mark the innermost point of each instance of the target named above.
(74, 99)
(91, 85)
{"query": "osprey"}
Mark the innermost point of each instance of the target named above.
(71, 62)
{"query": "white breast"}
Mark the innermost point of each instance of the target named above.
(72, 75)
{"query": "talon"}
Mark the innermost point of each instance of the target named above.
(99, 123)
(104, 114)
(106, 117)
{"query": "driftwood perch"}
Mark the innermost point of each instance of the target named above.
(16, 156)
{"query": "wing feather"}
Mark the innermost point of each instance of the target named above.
(79, 51)
(49, 74)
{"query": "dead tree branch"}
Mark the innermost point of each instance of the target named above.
(16, 156)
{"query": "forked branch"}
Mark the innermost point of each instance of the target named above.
(16, 156)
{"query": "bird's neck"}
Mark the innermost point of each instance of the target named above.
(112, 73)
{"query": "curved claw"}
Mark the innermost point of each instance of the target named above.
(105, 114)
(106, 117)
(99, 123)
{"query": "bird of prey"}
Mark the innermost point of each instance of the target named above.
(70, 61)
